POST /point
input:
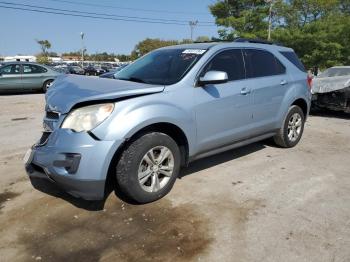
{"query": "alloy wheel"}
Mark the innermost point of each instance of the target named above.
(156, 169)
(294, 127)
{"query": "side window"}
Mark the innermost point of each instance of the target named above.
(229, 61)
(11, 70)
(33, 69)
(262, 63)
(292, 57)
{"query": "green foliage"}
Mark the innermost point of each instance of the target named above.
(43, 59)
(318, 30)
(100, 57)
(203, 39)
(148, 45)
(44, 45)
(241, 18)
(323, 43)
(123, 58)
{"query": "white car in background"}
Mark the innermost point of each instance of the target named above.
(331, 89)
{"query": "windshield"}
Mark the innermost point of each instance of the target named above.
(331, 72)
(161, 67)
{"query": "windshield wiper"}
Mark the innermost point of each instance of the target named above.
(134, 79)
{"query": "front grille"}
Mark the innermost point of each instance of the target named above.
(52, 115)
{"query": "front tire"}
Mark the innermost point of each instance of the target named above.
(148, 167)
(292, 129)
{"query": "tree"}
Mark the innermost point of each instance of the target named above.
(241, 18)
(202, 39)
(42, 59)
(123, 58)
(148, 45)
(318, 30)
(44, 45)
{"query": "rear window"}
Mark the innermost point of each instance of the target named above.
(292, 57)
(261, 63)
(335, 71)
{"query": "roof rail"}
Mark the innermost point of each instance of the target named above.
(255, 41)
(211, 41)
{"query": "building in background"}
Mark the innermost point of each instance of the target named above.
(20, 58)
(73, 58)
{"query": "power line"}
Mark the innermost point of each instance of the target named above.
(101, 14)
(93, 17)
(127, 8)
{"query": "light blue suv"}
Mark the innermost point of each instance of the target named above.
(170, 107)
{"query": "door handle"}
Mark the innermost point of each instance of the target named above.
(245, 91)
(283, 82)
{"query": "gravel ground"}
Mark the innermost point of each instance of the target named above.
(256, 203)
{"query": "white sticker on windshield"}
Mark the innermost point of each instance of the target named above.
(194, 51)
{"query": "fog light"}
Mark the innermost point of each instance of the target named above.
(71, 163)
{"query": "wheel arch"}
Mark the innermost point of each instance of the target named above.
(170, 129)
(303, 105)
(47, 80)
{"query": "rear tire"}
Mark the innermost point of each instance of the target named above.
(292, 129)
(46, 85)
(148, 167)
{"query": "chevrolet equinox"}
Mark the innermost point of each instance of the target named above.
(168, 108)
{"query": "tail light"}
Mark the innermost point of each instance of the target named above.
(309, 81)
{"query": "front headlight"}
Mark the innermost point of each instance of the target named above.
(87, 118)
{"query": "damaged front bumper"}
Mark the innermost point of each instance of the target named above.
(76, 162)
(338, 100)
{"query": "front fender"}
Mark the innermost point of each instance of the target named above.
(128, 121)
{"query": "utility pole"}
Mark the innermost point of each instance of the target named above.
(82, 49)
(270, 19)
(192, 24)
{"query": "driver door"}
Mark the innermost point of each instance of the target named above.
(223, 111)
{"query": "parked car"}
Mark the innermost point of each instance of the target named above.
(24, 76)
(94, 70)
(170, 107)
(112, 72)
(76, 70)
(109, 74)
(331, 89)
(61, 69)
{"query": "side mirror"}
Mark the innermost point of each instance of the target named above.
(213, 77)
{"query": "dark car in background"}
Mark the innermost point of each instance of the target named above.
(94, 70)
(25, 76)
(112, 72)
(76, 70)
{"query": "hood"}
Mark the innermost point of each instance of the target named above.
(69, 90)
(330, 84)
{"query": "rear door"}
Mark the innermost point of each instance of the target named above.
(268, 81)
(10, 77)
(33, 76)
(223, 110)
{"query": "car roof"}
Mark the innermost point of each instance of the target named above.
(209, 45)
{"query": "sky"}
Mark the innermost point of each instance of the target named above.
(19, 29)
